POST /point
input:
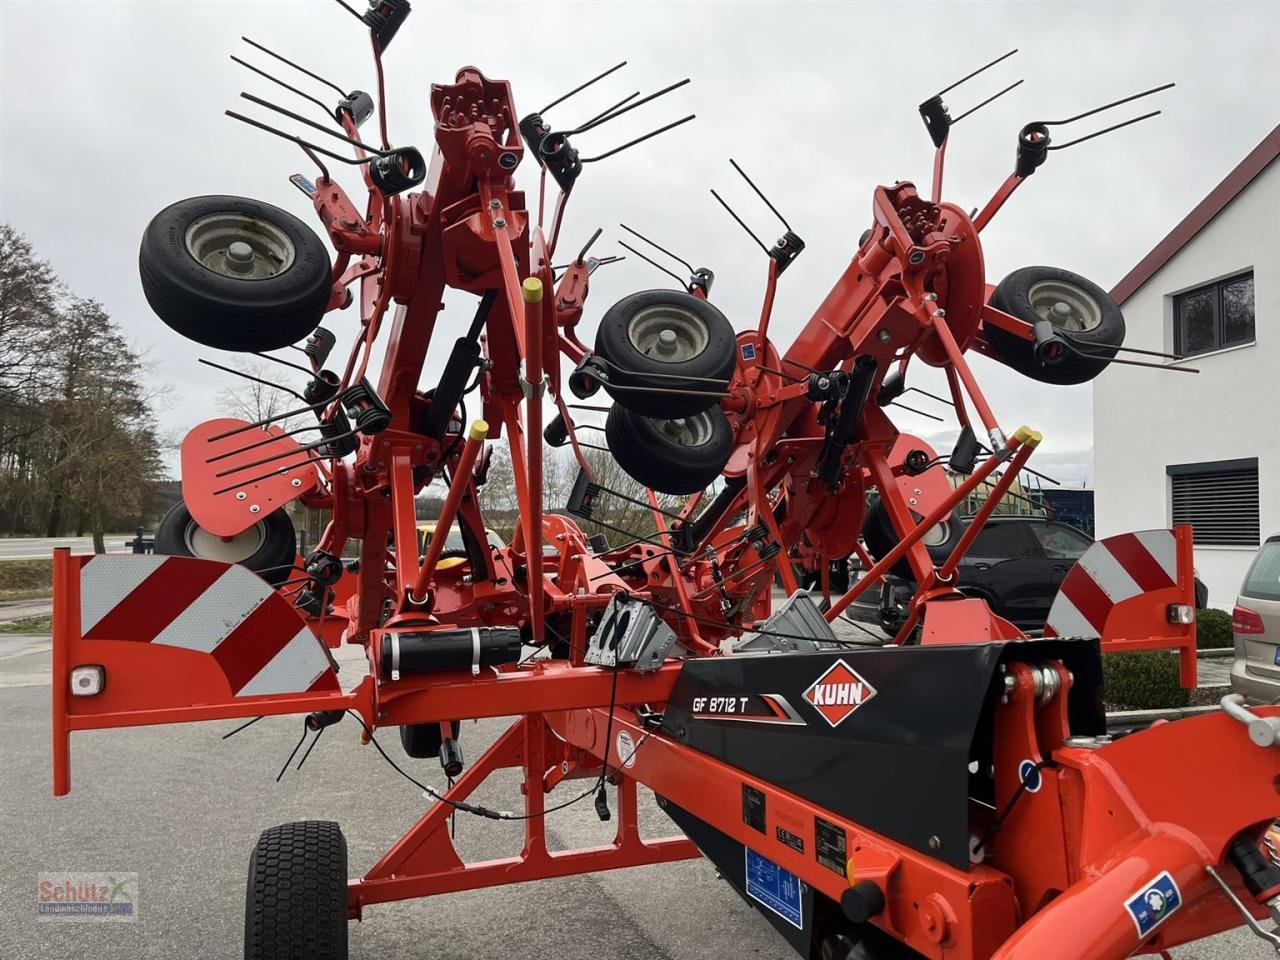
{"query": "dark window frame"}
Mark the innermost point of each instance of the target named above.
(1219, 316)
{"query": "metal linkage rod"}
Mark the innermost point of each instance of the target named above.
(982, 69)
(301, 69)
(582, 86)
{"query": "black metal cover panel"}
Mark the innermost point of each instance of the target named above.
(884, 740)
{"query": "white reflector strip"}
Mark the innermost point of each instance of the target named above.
(216, 612)
(292, 670)
(1066, 621)
(104, 585)
(1163, 547)
(1105, 570)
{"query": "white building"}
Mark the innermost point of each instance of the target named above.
(1205, 448)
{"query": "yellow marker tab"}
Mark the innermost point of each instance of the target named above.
(1023, 434)
(850, 873)
(532, 290)
(479, 430)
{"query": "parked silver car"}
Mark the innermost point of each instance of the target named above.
(1255, 623)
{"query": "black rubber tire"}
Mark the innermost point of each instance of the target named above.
(655, 460)
(715, 361)
(230, 313)
(421, 741)
(296, 902)
(1013, 297)
(880, 537)
(273, 560)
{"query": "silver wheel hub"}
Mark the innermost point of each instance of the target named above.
(1065, 305)
(668, 334)
(235, 245)
(207, 546)
(691, 431)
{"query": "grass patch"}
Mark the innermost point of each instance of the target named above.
(30, 625)
(26, 579)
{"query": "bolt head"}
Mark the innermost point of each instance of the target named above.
(500, 222)
(935, 842)
(296, 482)
(495, 204)
(884, 336)
(241, 495)
(254, 508)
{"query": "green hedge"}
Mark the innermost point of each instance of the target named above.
(1213, 629)
(1146, 680)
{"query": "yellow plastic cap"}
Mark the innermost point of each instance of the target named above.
(479, 430)
(532, 290)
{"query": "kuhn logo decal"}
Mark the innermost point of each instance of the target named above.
(839, 692)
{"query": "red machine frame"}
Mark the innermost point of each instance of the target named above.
(916, 287)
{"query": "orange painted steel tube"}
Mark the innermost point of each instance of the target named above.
(532, 293)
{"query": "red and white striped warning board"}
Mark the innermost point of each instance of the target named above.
(1111, 571)
(258, 639)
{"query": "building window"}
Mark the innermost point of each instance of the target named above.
(1219, 500)
(1214, 316)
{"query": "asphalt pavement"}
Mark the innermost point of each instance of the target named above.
(182, 808)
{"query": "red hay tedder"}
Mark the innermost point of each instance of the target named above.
(949, 793)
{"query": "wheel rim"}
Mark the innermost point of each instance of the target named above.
(1065, 305)
(668, 334)
(241, 247)
(937, 535)
(207, 546)
(691, 431)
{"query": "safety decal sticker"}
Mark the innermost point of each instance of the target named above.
(1030, 776)
(1154, 903)
(831, 846)
(776, 889)
(748, 351)
(792, 840)
(626, 749)
(839, 692)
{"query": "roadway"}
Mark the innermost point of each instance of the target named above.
(41, 548)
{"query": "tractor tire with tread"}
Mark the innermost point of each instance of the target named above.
(678, 456)
(268, 548)
(296, 900)
(242, 303)
(1091, 323)
(666, 334)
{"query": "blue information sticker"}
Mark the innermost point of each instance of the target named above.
(1278, 656)
(748, 351)
(775, 888)
(1154, 903)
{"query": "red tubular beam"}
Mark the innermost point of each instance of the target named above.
(449, 510)
(935, 516)
(66, 598)
(948, 568)
(961, 367)
(1089, 919)
(939, 157)
(996, 202)
(766, 309)
(532, 293)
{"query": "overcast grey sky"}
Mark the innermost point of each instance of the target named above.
(112, 110)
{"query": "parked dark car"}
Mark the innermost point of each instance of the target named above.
(1016, 564)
